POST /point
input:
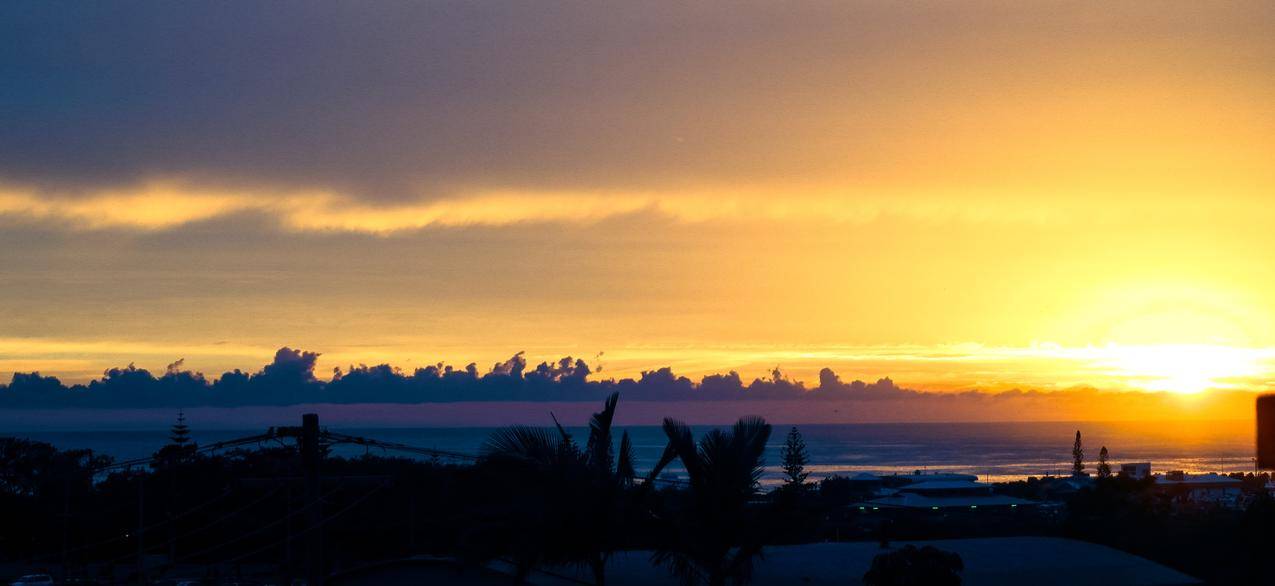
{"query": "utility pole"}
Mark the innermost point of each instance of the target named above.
(411, 522)
(289, 559)
(310, 458)
(66, 519)
(141, 528)
(168, 507)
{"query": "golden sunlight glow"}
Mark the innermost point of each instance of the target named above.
(170, 203)
(153, 206)
(1185, 369)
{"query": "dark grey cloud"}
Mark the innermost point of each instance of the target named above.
(367, 98)
(387, 99)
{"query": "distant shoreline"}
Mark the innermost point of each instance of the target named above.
(994, 451)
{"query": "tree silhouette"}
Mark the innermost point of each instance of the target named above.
(913, 567)
(714, 538)
(180, 449)
(795, 458)
(180, 432)
(1077, 457)
(610, 477)
(576, 502)
(40, 483)
(1104, 469)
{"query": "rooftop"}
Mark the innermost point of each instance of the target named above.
(1199, 479)
(928, 485)
(932, 476)
(920, 501)
(1039, 561)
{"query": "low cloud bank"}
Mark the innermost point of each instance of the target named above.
(289, 379)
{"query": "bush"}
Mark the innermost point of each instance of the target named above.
(928, 566)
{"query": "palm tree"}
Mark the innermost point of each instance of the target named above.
(579, 502)
(714, 538)
(611, 477)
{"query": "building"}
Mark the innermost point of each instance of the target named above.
(866, 478)
(1201, 489)
(947, 494)
(864, 483)
(1136, 470)
(922, 476)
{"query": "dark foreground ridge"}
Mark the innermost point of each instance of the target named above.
(538, 505)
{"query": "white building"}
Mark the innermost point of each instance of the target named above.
(1136, 470)
(1201, 489)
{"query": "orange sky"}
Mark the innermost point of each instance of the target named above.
(984, 195)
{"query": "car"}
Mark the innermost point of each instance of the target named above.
(33, 580)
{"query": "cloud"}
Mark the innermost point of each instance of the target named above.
(510, 368)
(400, 116)
(149, 207)
(164, 205)
(289, 379)
(291, 366)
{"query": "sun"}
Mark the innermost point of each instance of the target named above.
(1181, 368)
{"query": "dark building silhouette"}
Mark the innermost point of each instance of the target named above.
(1266, 432)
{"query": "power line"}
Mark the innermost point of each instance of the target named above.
(260, 528)
(254, 439)
(201, 506)
(392, 446)
(314, 527)
(340, 438)
(201, 528)
(277, 434)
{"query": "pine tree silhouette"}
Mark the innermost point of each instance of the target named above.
(180, 432)
(1104, 469)
(181, 448)
(1077, 457)
(795, 459)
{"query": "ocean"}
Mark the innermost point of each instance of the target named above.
(993, 451)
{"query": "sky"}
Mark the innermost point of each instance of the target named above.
(975, 195)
